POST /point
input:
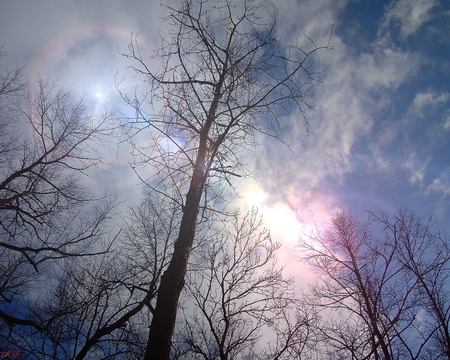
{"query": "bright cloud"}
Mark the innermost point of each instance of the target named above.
(416, 169)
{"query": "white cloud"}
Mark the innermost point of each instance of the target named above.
(429, 98)
(440, 185)
(416, 169)
(446, 120)
(385, 68)
(408, 14)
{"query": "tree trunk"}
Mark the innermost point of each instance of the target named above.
(172, 281)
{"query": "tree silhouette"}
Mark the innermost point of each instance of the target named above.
(234, 293)
(384, 285)
(47, 215)
(225, 78)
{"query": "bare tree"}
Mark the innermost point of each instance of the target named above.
(370, 297)
(46, 214)
(384, 285)
(296, 331)
(100, 307)
(425, 254)
(234, 293)
(225, 78)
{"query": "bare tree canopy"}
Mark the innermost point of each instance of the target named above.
(160, 161)
(225, 77)
(46, 214)
(384, 284)
(234, 294)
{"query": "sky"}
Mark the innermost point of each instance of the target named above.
(379, 132)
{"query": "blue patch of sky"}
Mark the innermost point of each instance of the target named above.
(368, 190)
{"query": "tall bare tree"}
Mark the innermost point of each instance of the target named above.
(225, 77)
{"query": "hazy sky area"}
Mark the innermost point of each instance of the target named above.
(379, 132)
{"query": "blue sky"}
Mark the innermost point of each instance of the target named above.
(380, 131)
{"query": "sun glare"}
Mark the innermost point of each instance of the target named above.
(255, 198)
(84, 64)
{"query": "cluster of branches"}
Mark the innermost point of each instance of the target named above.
(384, 285)
(236, 296)
(48, 143)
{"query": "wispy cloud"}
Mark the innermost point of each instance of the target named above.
(377, 116)
(416, 169)
(429, 98)
(446, 120)
(356, 87)
(408, 15)
(440, 185)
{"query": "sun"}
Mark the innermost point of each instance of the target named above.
(86, 61)
(85, 64)
(100, 97)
